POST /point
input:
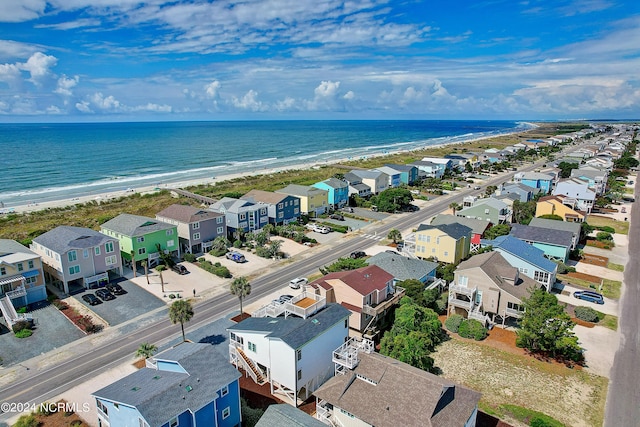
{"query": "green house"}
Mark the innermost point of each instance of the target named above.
(141, 237)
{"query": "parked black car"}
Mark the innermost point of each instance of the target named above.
(91, 299)
(337, 217)
(180, 269)
(116, 289)
(105, 295)
(358, 254)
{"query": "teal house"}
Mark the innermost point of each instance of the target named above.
(338, 191)
(141, 236)
(189, 385)
(408, 173)
(555, 243)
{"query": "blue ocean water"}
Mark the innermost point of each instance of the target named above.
(43, 162)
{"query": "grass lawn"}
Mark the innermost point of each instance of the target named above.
(614, 266)
(610, 288)
(608, 321)
(572, 396)
(621, 227)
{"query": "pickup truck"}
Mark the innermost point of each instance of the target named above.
(236, 257)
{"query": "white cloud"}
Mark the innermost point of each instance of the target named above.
(327, 89)
(109, 103)
(287, 104)
(38, 65)
(70, 25)
(212, 89)
(9, 73)
(83, 106)
(10, 49)
(21, 10)
(349, 95)
(153, 108)
(52, 109)
(248, 102)
(65, 85)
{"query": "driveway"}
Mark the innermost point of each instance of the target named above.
(600, 345)
(125, 307)
(52, 330)
(610, 306)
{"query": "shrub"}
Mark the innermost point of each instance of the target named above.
(544, 421)
(214, 252)
(60, 305)
(442, 303)
(172, 296)
(27, 421)
(603, 236)
(24, 333)
(453, 322)
(587, 314)
(21, 325)
(607, 229)
(471, 328)
(189, 257)
(237, 244)
(217, 269)
(21, 310)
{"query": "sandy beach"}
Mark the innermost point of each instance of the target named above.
(105, 197)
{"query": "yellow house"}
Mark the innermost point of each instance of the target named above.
(561, 206)
(313, 201)
(445, 242)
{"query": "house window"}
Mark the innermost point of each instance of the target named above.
(140, 239)
(280, 214)
(252, 346)
(196, 225)
(85, 253)
(142, 251)
(3, 271)
(433, 250)
(196, 236)
(110, 260)
(108, 247)
(541, 276)
(226, 412)
(30, 264)
(72, 255)
(169, 243)
(224, 391)
(97, 250)
(219, 219)
(31, 280)
(299, 374)
(486, 211)
(75, 269)
(20, 266)
(348, 414)
(524, 270)
(346, 323)
(446, 253)
(173, 422)
(437, 240)
(263, 211)
(220, 230)
(296, 202)
(280, 206)
(102, 408)
(170, 232)
(243, 216)
(299, 354)
(296, 211)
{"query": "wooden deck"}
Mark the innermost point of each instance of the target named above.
(306, 302)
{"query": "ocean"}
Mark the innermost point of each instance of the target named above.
(45, 162)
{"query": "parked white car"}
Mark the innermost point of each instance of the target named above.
(297, 282)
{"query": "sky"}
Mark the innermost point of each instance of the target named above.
(134, 60)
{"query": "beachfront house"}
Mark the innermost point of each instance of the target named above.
(368, 292)
(460, 160)
(427, 169)
(562, 206)
(529, 260)
(408, 173)
(376, 180)
(21, 277)
(356, 186)
(337, 192)
(487, 288)
(281, 208)
(241, 215)
(554, 242)
(141, 238)
(289, 346)
(443, 164)
(577, 190)
(394, 176)
(189, 385)
(197, 227)
(313, 201)
(448, 243)
(376, 390)
(78, 258)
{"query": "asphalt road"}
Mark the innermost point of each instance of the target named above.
(40, 386)
(623, 398)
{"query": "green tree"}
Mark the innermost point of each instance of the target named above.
(490, 190)
(414, 289)
(274, 248)
(181, 311)
(497, 230)
(455, 207)
(145, 265)
(566, 168)
(393, 199)
(343, 264)
(146, 350)
(523, 211)
(241, 288)
(394, 235)
(546, 328)
(160, 268)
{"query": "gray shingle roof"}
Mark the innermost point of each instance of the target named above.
(402, 268)
(161, 395)
(135, 225)
(542, 235)
(401, 168)
(8, 246)
(454, 230)
(398, 395)
(335, 183)
(478, 226)
(187, 214)
(65, 238)
(300, 190)
(367, 174)
(260, 196)
(573, 227)
(295, 331)
(284, 415)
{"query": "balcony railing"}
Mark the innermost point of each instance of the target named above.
(18, 292)
(466, 304)
(514, 313)
(374, 310)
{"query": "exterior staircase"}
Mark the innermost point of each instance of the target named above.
(257, 375)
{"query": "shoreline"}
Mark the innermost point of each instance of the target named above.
(100, 197)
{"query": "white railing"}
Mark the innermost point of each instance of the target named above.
(514, 313)
(235, 357)
(18, 292)
(292, 307)
(466, 304)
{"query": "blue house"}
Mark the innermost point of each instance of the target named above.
(281, 208)
(338, 195)
(536, 180)
(189, 385)
(528, 259)
(395, 177)
(408, 173)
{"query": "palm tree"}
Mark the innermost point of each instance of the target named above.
(394, 235)
(133, 262)
(220, 244)
(454, 207)
(146, 350)
(145, 264)
(274, 247)
(241, 288)
(160, 269)
(181, 311)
